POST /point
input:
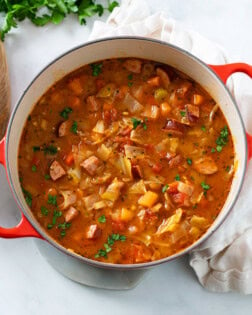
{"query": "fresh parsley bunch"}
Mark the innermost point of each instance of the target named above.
(41, 12)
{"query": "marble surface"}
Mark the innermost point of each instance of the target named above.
(28, 284)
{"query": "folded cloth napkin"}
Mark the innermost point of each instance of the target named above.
(223, 262)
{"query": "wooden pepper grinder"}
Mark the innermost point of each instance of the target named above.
(4, 92)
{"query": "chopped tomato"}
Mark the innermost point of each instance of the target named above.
(118, 226)
(69, 159)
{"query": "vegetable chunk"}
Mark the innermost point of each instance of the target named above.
(148, 199)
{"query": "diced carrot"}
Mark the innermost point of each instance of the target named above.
(99, 84)
(155, 81)
(157, 167)
(69, 159)
(107, 106)
(74, 101)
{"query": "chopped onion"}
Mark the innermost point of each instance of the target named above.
(132, 104)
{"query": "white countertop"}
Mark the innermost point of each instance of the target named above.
(28, 284)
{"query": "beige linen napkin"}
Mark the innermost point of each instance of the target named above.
(224, 262)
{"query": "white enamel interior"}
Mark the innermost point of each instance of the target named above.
(127, 47)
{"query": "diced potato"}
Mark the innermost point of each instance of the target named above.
(151, 112)
(138, 188)
(126, 215)
(170, 224)
(104, 152)
(194, 231)
(174, 142)
(165, 109)
(197, 99)
(157, 207)
(199, 222)
(107, 91)
(148, 199)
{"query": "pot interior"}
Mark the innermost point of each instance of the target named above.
(127, 47)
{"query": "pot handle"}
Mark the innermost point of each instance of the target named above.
(24, 227)
(224, 71)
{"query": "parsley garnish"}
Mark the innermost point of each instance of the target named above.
(227, 168)
(96, 69)
(177, 177)
(63, 227)
(130, 76)
(222, 140)
(44, 211)
(53, 11)
(56, 214)
(165, 187)
(47, 176)
(110, 242)
(35, 148)
(65, 112)
(205, 187)
(102, 219)
(136, 122)
(182, 113)
(203, 128)
(52, 200)
(50, 149)
(28, 197)
(34, 168)
(189, 161)
(74, 127)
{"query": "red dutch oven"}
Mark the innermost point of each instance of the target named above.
(212, 78)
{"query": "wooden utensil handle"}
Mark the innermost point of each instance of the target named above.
(4, 92)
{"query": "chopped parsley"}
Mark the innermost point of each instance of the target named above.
(177, 177)
(35, 148)
(189, 161)
(28, 197)
(74, 127)
(205, 187)
(227, 168)
(96, 69)
(136, 122)
(165, 187)
(65, 112)
(195, 206)
(47, 176)
(203, 128)
(34, 168)
(102, 219)
(130, 76)
(63, 227)
(50, 149)
(182, 113)
(52, 200)
(56, 214)
(130, 84)
(110, 242)
(44, 211)
(222, 140)
(213, 150)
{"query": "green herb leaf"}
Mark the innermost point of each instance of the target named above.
(222, 140)
(47, 176)
(27, 196)
(52, 200)
(130, 77)
(34, 168)
(130, 84)
(44, 211)
(136, 122)
(177, 177)
(203, 128)
(102, 219)
(205, 186)
(96, 69)
(182, 113)
(165, 187)
(65, 112)
(189, 161)
(35, 148)
(50, 149)
(213, 150)
(112, 5)
(227, 168)
(74, 127)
